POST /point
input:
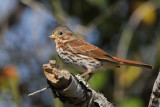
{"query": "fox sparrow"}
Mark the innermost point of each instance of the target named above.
(83, 56)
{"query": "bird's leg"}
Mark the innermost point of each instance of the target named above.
(90, 76)
(89, 71)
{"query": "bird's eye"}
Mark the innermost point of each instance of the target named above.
(61, 33)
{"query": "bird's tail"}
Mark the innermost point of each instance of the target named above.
(134, 63)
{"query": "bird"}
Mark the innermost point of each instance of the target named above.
(85, 57)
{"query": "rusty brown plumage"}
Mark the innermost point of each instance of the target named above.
(134, 63)
(81, 47)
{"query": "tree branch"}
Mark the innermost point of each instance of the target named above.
(155, 96)
(72, 89)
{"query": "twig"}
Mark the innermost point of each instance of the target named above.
(38, 91)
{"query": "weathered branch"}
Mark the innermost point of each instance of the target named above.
(72, 89)
(155, 96)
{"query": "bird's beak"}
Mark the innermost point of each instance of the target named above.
(53, 36)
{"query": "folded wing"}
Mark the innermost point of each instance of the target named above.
(81, 47)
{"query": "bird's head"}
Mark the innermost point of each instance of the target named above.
(62, 34)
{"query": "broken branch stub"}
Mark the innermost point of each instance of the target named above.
(72, 89)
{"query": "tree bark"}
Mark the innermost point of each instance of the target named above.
(72, 89)
(155, 96)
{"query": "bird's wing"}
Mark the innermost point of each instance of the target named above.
(79, 46)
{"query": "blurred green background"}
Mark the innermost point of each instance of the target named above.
(128, 29)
